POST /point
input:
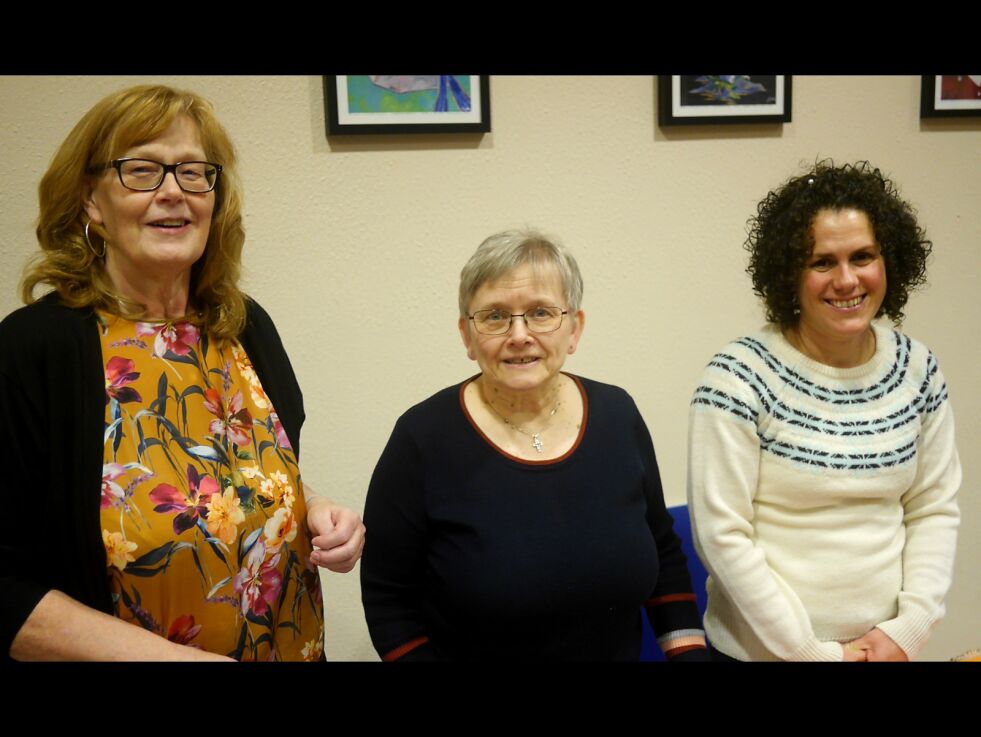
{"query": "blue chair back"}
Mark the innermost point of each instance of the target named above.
(649, 650)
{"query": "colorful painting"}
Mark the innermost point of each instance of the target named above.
(408, 94)
(734, 89)
(438, 103)
(731, 98)
(950, 96)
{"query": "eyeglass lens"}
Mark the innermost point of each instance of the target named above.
(143, 174)
(497, 322)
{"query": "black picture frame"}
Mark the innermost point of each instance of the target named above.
(939, 96)
(450, 93)
(723, 99)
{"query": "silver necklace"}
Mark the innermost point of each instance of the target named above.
(536, 437)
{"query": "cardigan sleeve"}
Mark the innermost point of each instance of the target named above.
(931, 517)
(723, 468)
(262, 343)
(394, 562)
(19, 441)
(52, 404)
(671, 607)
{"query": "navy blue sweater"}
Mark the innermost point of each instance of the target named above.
(474, 555)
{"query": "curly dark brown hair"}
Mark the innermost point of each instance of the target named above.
(780, 236)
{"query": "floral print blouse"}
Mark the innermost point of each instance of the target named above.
(202, 509)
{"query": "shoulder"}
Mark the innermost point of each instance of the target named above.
(436, 408)
(257, 320)
(910, 353)
(765, 347)
(747, 363)
(607, 396)
(46, 314)
(737, 380)
(44, 328)
(917, 365)
(259, 337)
(436, 422)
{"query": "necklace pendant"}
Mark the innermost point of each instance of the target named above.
(536, 440)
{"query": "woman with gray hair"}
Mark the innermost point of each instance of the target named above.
(519, 514)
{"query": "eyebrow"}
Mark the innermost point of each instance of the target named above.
(873, 246)
(531, 305)
(187, 154)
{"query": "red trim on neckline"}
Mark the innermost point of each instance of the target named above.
(492, 444)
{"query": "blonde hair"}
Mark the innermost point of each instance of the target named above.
(120, 121)
(504, 252)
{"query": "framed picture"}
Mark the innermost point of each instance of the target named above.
(951, 96)
(386, 104)
(706, 100)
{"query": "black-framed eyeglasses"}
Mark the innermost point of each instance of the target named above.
(537, 319)
(146, 175)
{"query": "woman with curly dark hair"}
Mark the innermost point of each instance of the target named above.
(823, 472)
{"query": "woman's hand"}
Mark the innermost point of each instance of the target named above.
(853, 653)
(878, 647)
(337, 531)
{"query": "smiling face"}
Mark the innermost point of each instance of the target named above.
(520, 360)
(843, 282)
(153, 237)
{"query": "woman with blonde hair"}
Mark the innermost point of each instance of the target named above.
(149, 416)
(519, 514)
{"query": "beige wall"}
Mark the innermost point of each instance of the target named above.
(352, 242)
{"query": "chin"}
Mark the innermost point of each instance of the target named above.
(524, 386)
(520, 384)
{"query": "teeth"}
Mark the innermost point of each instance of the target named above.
(170, 223)
(847, 303)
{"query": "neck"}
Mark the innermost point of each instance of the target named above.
(164, 298)
(520, 407)
(840, 353)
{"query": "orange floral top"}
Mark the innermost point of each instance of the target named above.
(203, 517)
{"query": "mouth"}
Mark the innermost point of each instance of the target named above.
(521, 361)
(170, 223)
(846, 304)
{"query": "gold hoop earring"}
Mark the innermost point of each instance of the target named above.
(91, 247)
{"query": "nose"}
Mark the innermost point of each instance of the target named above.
(519, 329)
(169, 186)
(845, 278)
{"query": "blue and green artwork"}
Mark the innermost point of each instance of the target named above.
(730, 89)
(408, 93)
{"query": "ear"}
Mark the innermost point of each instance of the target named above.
(462, 323)
(89, 203)
(578, 324)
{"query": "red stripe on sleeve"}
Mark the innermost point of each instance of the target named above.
(404, 649)
(668, 598)
(679, 650)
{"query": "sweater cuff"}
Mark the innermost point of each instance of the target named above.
(816, 650)
(910, 630)
(694, 654)
(674, 613)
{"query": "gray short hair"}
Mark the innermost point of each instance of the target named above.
(504, 252)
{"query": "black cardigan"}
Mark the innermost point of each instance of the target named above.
(52, 419)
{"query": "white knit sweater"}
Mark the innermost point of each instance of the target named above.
(822, 499)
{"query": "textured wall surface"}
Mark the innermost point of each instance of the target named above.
(355, 247)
